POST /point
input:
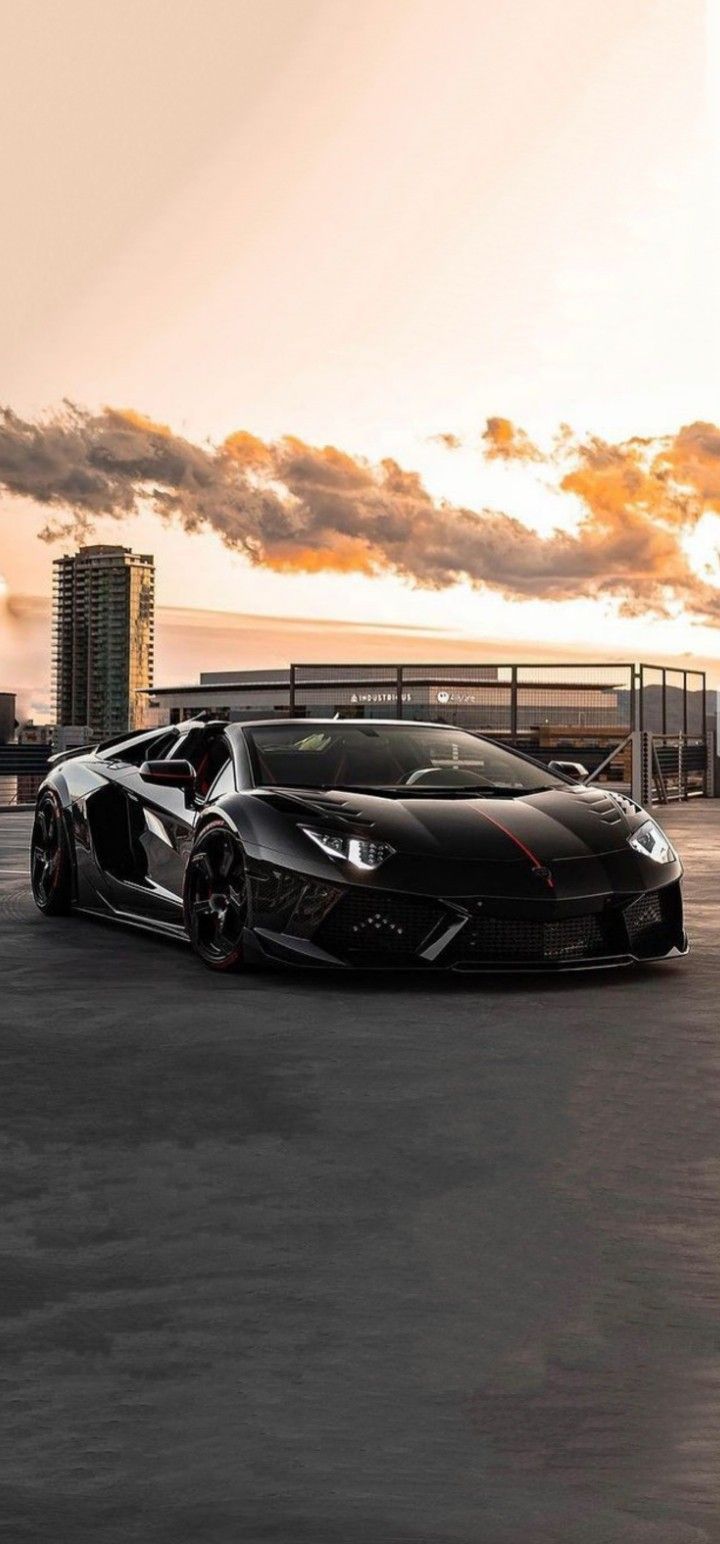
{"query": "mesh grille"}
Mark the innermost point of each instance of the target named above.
(314, 903)
(287, 902)
(514, 939)
(650, 923)
(375, 925)
(644, 913)
(275, 894)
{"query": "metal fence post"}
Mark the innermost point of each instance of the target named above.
(641, 767)
(513, 702)
(636, 694)
(710, 765)
(292, 691)
(636, 766)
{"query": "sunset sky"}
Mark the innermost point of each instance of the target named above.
(369, 226)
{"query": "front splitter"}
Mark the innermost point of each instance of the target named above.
(263, 946)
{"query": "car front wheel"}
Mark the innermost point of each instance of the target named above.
(215, 898)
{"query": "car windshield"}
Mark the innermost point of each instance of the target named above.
(417, 757)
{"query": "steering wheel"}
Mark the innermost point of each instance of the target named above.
(443, 777)
(415, 777)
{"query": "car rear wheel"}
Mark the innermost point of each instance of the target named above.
(215, 898)
(50, 858)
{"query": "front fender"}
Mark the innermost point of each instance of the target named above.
(253, 822)
(269, 835)
(56, 783)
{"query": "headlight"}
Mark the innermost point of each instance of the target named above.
(357, 850)
(652, 843)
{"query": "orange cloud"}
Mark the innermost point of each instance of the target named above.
(503, 441)
(448, 441)
(128, 415)
(345, 555)
(247, 450)
(614, 481)
(692, 459)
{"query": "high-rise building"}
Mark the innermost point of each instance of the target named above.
(103, 637)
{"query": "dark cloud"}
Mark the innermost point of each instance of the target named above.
(293, 506)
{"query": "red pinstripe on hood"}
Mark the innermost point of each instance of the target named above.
(517, 841)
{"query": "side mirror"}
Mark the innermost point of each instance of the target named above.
(170, 774)
(574, 771)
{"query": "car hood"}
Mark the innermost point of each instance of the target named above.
(543, 827)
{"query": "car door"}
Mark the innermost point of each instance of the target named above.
(121, 834)
(162, 821)
(108, 823)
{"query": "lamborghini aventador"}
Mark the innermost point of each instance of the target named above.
(354, 843)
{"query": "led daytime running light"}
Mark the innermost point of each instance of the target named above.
(361, 852)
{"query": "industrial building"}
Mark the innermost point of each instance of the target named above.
(503, 698)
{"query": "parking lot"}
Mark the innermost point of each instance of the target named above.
(357, 1261)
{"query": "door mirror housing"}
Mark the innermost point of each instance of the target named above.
(574, 771)
(170, 774)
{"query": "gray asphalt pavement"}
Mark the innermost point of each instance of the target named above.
(327, 1261)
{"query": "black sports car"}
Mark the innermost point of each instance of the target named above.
(354, 843)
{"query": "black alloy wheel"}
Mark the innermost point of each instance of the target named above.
(216, 898)
(50, 858)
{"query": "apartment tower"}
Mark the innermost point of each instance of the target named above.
(103, 637)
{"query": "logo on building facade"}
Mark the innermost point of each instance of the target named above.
(378, 697)
(462, 699)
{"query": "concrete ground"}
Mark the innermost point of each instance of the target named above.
(326, 1261)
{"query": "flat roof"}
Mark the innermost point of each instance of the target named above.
(209, 686)
(327, 684)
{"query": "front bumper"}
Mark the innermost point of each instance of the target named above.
(295, 919)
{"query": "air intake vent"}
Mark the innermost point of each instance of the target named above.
(652, 922)
(517, 941)
(370, 924)
(287, 902)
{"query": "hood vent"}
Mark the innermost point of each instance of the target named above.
(601, 804)
(334, 811)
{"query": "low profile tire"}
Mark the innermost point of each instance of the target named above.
(50, 864)
(215, 897)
